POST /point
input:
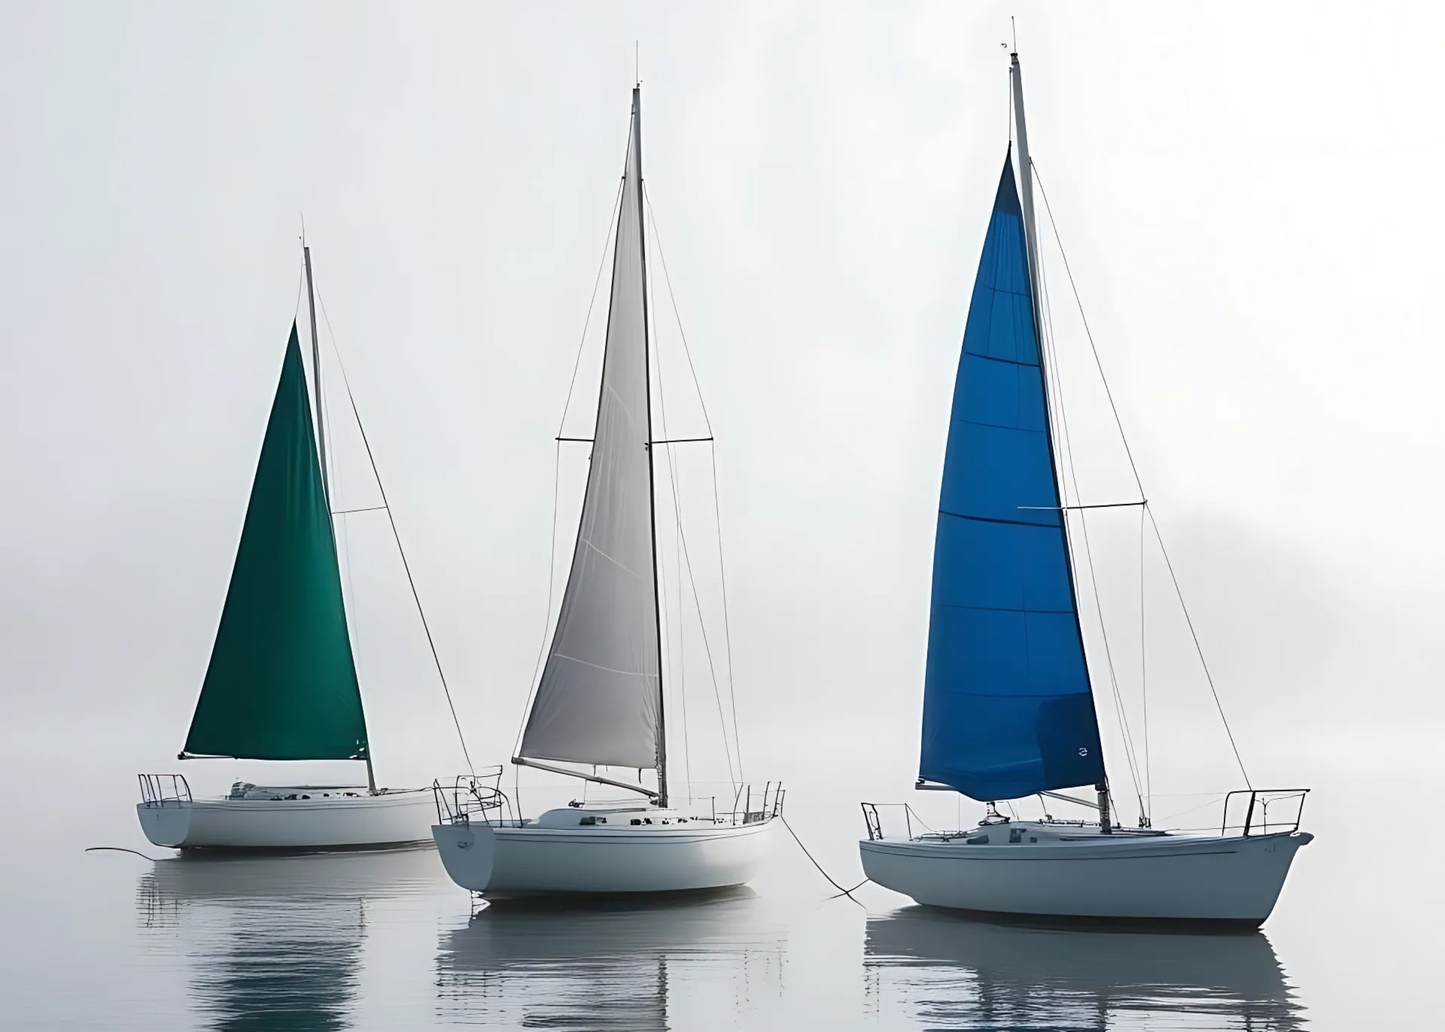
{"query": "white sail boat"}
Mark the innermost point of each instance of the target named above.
(599, 701)
(282, 684)
(1008, 704)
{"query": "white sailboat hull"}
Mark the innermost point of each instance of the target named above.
(1229, 880)
(530, 860)
(313, 819)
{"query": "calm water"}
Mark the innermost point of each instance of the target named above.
(384, 940)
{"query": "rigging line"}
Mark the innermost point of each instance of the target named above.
(1058, 394)
(591, 303)
(1123, 438)
(733, 778)
(551, 592)
(335, 491)
(687, 558)
(716, 503)
(1131, 752)
(1198, 648)
(396, 535)
(676, 658)
(1209, 802)
(727, 623)
(1098, 363)
(657, 239)
(677, 662)
(841, 891)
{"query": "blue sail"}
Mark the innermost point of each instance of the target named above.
(1007, 709)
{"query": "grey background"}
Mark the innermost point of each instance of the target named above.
(1244, 194)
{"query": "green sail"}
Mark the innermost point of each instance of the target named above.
(282, 681)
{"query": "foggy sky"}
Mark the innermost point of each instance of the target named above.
(1246, 200)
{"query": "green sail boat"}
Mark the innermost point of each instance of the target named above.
(281, 683)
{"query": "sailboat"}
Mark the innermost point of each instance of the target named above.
(1008, 708)
(599, 701)
(282, 684)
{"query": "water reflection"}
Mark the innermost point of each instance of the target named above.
(276, 942)
(608, 965)
(965, 974)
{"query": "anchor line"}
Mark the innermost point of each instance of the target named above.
(841, 891)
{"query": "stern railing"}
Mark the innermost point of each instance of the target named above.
(751, 808)
(1257, 819)
(164, 789)
(874, 822)
(473, 796)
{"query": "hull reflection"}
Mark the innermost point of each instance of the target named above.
(276, 943)
(970, 974)
(607, 964)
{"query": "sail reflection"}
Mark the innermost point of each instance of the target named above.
(969, 974)
(606, 965)
(276, 942)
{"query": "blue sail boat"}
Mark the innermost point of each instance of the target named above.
(1008, 705)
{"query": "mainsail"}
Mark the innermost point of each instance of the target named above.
(1007, 707)
(281, 684)
(598, 700)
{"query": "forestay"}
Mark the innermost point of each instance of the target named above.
(281, 684)
(1007, 705)
(597, 701)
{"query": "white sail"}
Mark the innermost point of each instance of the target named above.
(598, 700)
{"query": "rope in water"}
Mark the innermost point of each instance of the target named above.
(121, 849)
(841, 891)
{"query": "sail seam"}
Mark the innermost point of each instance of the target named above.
(1012, 695)
(1006, 361)
(621, 405)
(614, 562)
(995, 519)
(1000, 426)
(599, 666)
(1000, 609)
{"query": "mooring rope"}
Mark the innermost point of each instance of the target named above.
(841, 891)
(122, 849)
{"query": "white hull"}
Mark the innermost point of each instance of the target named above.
(316, 818)
(535, 859)
(1232, 880)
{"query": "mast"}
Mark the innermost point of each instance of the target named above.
(651, 481)
(1031, 248)
(321, 440)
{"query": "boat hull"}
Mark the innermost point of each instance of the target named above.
(503, 860)
(359, 821)
(1223, 881)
